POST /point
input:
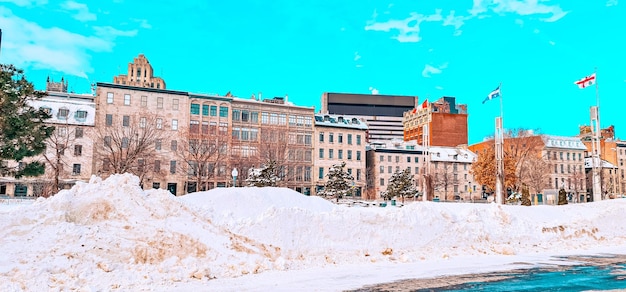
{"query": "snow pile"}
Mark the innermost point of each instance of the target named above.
(110, 234)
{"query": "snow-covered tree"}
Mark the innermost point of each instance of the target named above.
(339, 182)
(263, 177)
(401, 185)
(525, 196)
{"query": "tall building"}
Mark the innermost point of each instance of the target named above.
(446, 121)
(140, 74)
(382, 113)
(339, 139)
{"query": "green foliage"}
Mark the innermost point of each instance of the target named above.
(525, 196)
(264, 177)
(339, 182)
(562, 197)
(22, 131)
(401, 185)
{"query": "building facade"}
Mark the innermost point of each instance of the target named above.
(140, 74)
(340, 139)
(69, 153)
(450, 170)
(382, 113)
(566, 156)
(446, 122)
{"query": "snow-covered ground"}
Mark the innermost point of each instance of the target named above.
(108, 235)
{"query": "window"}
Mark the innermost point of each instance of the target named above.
(254, 117)
(562, 169)
(321, 136)
(107, 141)
(236, 115)
(78, 150)
(307, 173)
(321, 153)
(62, 131)
(292, 121)
(389, 169)
(194, 127)
(174, 125)
(321, 173)
(213, 110)
(46, 110)
(567, 155)
(126, 99)
(358, 139)
(159, 123)
(157, 144)
(308, 121)
(195, 109)
(78, 133)
(126, 121)
(205, 127)
(397, 159)
(124, 142)
(282, 119)
(174, 145)
(80, 116)
(273, 118)
(330, 153)
(340, 154)
(408, 159)
(358, 156)
(142, 122)
(63, 113)
(265, 118)
(382, 158)
(223, 112)
(76, 169)
(205, 110)
(109, 119)
(382, 181)
(106, 163)
(157, 166)
(159, 102)
(561, 155)
(349, 139)
(175, 104)
(349, 154)
(109, 97)
(548, 155)
(307, 139)
(417, 170)
(144, 101)
(331, 137)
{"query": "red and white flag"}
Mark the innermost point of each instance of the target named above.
(587, 81)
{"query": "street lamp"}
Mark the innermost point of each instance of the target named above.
(234, 173)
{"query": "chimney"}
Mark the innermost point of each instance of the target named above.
(259, 98)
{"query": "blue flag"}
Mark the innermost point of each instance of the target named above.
(494, 94)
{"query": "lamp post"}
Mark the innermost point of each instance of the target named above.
(234, 173)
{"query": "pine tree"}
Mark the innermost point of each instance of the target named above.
(401, 185)
(264, 177)
(23, 133)
(525, 196)
(562, 197)
(338, 184)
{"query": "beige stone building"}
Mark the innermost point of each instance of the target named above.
(140, 74)
(340, 139)
(130, 116)
(273, 129)
(566, 156)
(69, 149)
(450, 169)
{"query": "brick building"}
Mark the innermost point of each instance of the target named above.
(446, 120)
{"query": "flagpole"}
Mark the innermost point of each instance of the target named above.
(501, 112)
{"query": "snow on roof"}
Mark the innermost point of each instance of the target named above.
(563, 142)
(605, 164)
(73, 105)
(111, 234)
(451, 154)
(339, 121)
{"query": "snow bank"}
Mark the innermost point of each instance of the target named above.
(113, 235)
(110, 234)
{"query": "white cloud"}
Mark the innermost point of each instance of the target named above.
(408, 28)
(373, 90)
(143, 23)
(357, 56)
(430, 70)
(520, 7)
(109, 32)
(536, 30)
(552, 43)
(81, 11)
(29, 45)
(610, 3)
(519, 22)
(26, 3)
(438, 87)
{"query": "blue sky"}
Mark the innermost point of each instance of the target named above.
(535, 48)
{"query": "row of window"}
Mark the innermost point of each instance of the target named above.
(331, 154)
(564, 155)
(416, 159)
(195, 108)
(63, 131)
(60, 149)
(570, 168)
(331, 138)
(320, 172)
(572, 183)
(209, 110)
(142, 122)
(63, 113)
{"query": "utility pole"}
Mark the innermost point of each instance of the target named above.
(499, 160)
(596, 162)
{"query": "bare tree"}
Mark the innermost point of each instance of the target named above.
(130, 146)
(443, 179)
(61, 140)
(537, 172)
(201, 152)
(577, 177)
(522, 145)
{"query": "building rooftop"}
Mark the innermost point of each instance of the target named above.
(339, 121)
(563, 142)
